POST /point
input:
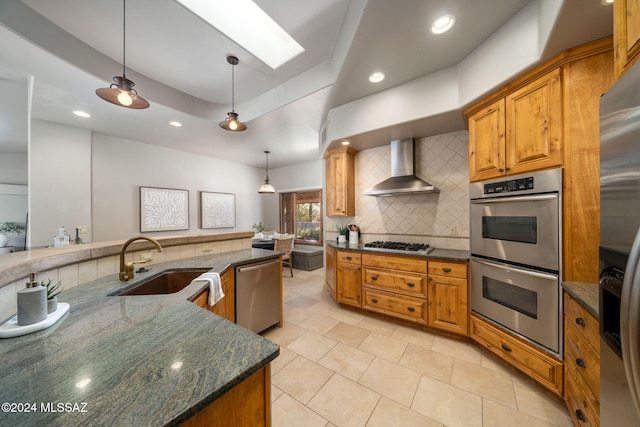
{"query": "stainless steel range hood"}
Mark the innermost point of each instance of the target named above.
(402, 180)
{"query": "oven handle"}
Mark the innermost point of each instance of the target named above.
(515, 199)
(517, 270)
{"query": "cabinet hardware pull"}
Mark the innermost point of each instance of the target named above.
(505, 347)
(349, 258)
(500, 170)
(411, 285)
(373, 300)
(446, 269)
(580, 363)
(580, 321)
(374, 277)
(507, 168)
(580, 415)
(411, 309)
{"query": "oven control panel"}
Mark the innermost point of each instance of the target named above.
(519, 184)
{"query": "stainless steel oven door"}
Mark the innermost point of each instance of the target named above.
(522, 300)
(520, 229)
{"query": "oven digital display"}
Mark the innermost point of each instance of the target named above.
(519, 184)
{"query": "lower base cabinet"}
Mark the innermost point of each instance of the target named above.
(247, 404)
(534, 362)
(226, 306)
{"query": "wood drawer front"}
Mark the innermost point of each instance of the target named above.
(407, 283)
(351, 257)
(395, 263)
(583, 407)
(584, 322)
(403, 307)
(581, 357)
(449, 269)
(533, 362)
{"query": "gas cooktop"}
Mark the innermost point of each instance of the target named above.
(399, 246)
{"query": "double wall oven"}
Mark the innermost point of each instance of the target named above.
(516, 225)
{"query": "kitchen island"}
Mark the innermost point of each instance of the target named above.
(132, 360)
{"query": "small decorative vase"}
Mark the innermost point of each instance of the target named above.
(52, 305)
(342, 238)
(4, 239)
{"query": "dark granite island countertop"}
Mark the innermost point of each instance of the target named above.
(130, 360)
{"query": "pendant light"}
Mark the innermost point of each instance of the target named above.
(121, 92)
(267, 188)
(232, 123)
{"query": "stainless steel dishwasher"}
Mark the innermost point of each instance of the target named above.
(258, 295)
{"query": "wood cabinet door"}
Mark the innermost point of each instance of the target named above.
(486, 142)
(448, 306)
(534, 125)
(330, 270)
(626, 34)
(226, 307)
(340, 174)
(349, 284)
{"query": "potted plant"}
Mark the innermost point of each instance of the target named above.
(9, 227)
(53, 289)
(342, 233)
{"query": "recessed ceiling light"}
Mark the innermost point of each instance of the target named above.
(606, 2)
(443, 24)
(81, 113)
(175, 123)
(246, 24)
(345, 142)
(376, 77)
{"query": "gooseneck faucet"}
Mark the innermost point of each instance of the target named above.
(126, 269)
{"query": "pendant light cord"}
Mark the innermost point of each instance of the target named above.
(124, 36)
(233, 89)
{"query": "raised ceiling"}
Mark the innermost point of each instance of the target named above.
(72, 47)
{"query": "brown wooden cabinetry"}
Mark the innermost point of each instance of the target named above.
(448, 296)
(348, 278)
(582, 363)
(519, 133)
(340, 185)
(330, 270)
(226, 306)
(395, 286)
(547, 118)
(535, 363)
(626, 32)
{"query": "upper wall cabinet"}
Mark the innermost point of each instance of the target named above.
(519, 133)
(626, 33)
(340, 186)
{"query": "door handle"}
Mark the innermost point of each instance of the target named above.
(580, 363)
(374, 277)
(515, 199)
(506, 347)
(446, 269)
(580, 321)
(510, 268)
(411, 309)
(349, 258)
(373, 300)
(411, 285)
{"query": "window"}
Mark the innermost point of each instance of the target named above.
(301, 215)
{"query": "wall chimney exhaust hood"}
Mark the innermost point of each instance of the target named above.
(402, 181)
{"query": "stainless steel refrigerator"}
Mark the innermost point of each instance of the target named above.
(620, 252)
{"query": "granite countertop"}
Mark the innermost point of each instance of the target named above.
(150, 360)
(587, 294)
(447, 254)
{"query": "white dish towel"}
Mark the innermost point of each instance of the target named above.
(215, 288)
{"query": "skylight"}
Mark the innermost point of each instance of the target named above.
(250, 27)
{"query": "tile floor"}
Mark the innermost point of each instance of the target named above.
(340, 368)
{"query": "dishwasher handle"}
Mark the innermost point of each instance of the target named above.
(257, 266)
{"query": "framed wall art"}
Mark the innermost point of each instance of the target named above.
(163, 209)
(217, 210)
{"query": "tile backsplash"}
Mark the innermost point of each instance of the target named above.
(440, 219)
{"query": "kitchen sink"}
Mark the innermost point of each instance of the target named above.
(167, 282)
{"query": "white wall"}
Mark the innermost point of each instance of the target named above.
(79, 178)
(303, 176)
(121, 166)
(13, 169)
(59, 180)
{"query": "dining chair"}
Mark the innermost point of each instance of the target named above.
(285, 244)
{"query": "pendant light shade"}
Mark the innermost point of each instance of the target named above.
(232, 122)
(266, 188)
(121, 92)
